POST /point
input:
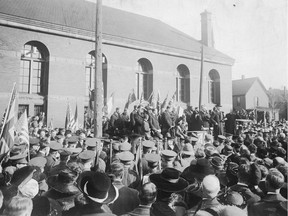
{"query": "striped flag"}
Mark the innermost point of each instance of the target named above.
(74, 123)
(7, 132)
(69, 121)
(21, 128)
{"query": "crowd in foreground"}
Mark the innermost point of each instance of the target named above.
(163, 171)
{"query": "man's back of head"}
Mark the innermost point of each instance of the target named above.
(148, 193)
(274, 180)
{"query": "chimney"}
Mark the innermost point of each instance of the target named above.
(243, 77)
(206, 29)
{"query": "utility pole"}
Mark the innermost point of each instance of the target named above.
(286, 100)
(201, 77)
(98, 90)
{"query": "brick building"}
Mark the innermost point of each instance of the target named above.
(46, 47)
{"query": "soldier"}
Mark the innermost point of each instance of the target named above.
(168, 157)
(128, 197)
(86, 159)
(147, 148)
(153, 161)
(53, 157)
(130, 177)
(64, 158)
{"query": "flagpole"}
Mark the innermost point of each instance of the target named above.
(7, 111)
(201, 77)
(98, 92)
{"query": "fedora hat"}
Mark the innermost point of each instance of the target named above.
(97, 187)
(201, 169)
(169, 180)
(64, 182)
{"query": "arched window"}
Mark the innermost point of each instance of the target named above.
(214, 87)
(183, 84)
(33, 77)
(90, 73)
(144, 78)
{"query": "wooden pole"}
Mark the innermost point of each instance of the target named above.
(98, 90)
(201, 77)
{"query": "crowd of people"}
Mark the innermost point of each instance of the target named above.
(198, 162)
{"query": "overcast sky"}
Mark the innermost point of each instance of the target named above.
(253, 32)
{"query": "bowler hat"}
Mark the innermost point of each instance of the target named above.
(201, 169)
(188, 149)
(97, 187)
(169, 180)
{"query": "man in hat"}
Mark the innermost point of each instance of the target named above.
(139, 119)
(99, 191)
(167, 182)
(130, 177)
(244, 173)
(221, 140)
(153, 161)
(270, 202)
(168, 158)
(113, 119)
(147, 197)
(147, 148)
(132, 120)
(64, 158)
(166, 121)
(34, 146)
(128, 197)
(53, 156)
(86, 159)
(19, 160)
(154, 123)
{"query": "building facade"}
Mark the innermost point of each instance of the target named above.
(47, 48)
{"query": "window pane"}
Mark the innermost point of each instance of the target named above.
(38, 109)
(22, 108)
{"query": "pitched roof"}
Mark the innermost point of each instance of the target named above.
(66, 15)
(242, 86)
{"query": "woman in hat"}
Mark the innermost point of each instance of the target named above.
(98, 191)
(169, 190)
(63, 188)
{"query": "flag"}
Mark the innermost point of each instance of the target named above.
(164, 104)
(141, 100)
(21, 128)
(50, 127)
(180, 111)
(69, 121)
(158, 104)
(173, 98)
(110, 103)
(75, 124)
(131, 99)
(7, 132)
(90, 106)
(152, 100)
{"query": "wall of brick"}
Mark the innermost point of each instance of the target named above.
(67, 73)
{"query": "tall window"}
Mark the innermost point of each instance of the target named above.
(144, 78)
(183, 84)
(214, 87)
(34, 69)
(90, 72)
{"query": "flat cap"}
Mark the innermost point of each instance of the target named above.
(125, 146)
(38, 161)
(54, 145)
(19, 159)
(148, 144)
(152, 159)
(125, 156)
(87, 155)
(34, 141)
(65, 152)
(169, 155)
(72, 139)
(193, 139)
(221, 137)
(92, 142)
